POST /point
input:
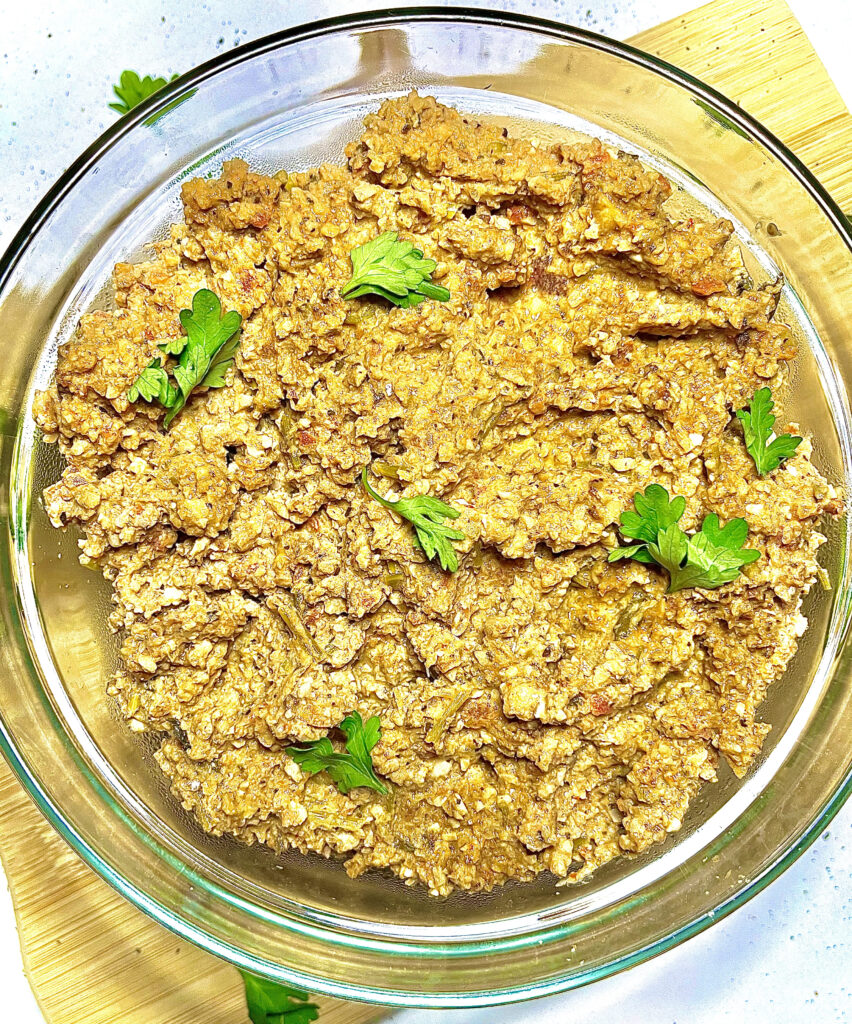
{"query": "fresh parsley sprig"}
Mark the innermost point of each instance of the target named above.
(763, 446)
(708, 559)
(153, 385)
(427, 515)
(132, 89)
(393, 269)
(204, 354)
(352, 768)
(270, 1002)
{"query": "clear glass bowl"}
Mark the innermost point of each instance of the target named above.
(293, 100)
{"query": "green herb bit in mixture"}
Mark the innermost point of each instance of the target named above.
(763, 446)
(153, 385)
(708, 559)
(352, 768)
(270, 1002)
(427, 515)
(132, 89)
(393, 269)
(205, 353)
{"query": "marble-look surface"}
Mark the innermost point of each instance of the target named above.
(784, 957)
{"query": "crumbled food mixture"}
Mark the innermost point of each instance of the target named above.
(541, 709)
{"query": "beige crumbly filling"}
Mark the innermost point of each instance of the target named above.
(541, 709)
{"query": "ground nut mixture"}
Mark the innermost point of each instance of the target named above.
(541, 708)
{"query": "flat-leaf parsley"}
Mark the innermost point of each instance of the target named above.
(153, 385)
(393, 269)
(426, 515)
(766, 450)
(204, 355)
(350, 769)
(132, 89)
(270, 1002)
(708, 559)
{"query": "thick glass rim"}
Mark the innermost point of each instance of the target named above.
(427, 950)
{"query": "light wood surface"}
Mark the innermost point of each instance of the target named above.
(91, 957)
(755, 52)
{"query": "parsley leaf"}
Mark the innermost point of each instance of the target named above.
(394, 270)
(270, 1002)
(757, 427)
(708, 559)
(204, 356)
(654, 512)
(426, 514)
(152, 385)
(132, 89)
(348, 770)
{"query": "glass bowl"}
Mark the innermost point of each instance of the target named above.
(292, 100)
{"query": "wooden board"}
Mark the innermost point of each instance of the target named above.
(90, 956)
(755, 52)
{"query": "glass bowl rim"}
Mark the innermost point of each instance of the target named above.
(166, 916)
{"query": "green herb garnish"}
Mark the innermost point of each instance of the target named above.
(757, 427)
(725, 123)
(132, 89)
(352, 768)
(205, 353)
(426, 514)
(153, 385)
(270, 1002)
(393, 269)
(708, 559)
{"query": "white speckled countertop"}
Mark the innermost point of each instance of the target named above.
(786, 957)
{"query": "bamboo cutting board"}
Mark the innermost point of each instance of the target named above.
(94, 959)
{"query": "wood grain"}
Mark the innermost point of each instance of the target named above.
(93, 958)
(758, 56)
